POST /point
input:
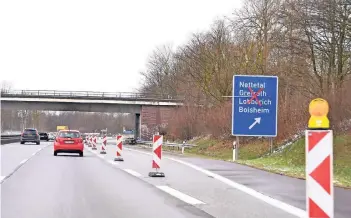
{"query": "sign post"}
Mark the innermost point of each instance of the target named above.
(254, 106)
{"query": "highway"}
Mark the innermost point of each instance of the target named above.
(36, 184)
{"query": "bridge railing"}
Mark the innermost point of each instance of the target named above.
(85, 94)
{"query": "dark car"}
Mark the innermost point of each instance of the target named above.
(44, 136)
(30, 135)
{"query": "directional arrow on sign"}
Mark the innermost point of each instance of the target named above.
(257, 120)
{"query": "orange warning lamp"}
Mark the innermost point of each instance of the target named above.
(318, 109)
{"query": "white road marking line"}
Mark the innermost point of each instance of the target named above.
(113, 162)
(186, 198)
(273, 202)
(23, 161)
(132, 172)
(101, 156)
(37, 151)
(142, 152)
(2, 178)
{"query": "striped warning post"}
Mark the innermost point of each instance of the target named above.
(157, 156)
(89, 142)
(319, 171)
(94, 143)
(119, 140)
(103, 145)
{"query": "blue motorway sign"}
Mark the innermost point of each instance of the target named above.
(255, 105)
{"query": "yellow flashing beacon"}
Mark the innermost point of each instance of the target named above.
(318, 109)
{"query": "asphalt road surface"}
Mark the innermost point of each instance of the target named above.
(36, 184)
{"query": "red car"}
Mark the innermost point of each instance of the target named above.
(69, 141)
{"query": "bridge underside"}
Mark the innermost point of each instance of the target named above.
(68, 106)
(148, 119)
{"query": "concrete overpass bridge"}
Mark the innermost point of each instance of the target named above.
(149, 110)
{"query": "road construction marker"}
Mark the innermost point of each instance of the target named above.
(94, 143)
(89, 141)
(319, 173)
(318, 109)
(103, 145)
(132, 172)
(186, 198)
(156, 156)
(119, 157)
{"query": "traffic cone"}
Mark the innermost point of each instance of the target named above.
(103, 145)
(156, 156)
(94, 143)
(119, 148)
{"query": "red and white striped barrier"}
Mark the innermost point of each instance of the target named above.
(319, 174)
(103, 145)
(119, 140)
(157, 156)
(89, 141)
(94, 143)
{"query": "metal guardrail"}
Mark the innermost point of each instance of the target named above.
(6, 139)
(85, 94)
(149, 143)
(168, 144)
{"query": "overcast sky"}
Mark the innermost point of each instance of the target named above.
(95, 45)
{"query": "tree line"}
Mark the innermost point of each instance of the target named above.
(306, 43)
(17, 120)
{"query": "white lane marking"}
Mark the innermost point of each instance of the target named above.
(113, 162)
(23, 161)
(273, 202)
(101, 156)
(132, 172)
(2, 178)
(186, 198)
(142, 152)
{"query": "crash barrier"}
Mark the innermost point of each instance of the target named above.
(6, 139)
(172, 146)
(176, 146)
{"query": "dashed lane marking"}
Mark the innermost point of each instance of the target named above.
(3, 178)
(132, 172)
(184, 197)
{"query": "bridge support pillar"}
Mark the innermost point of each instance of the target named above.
(137, 127)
